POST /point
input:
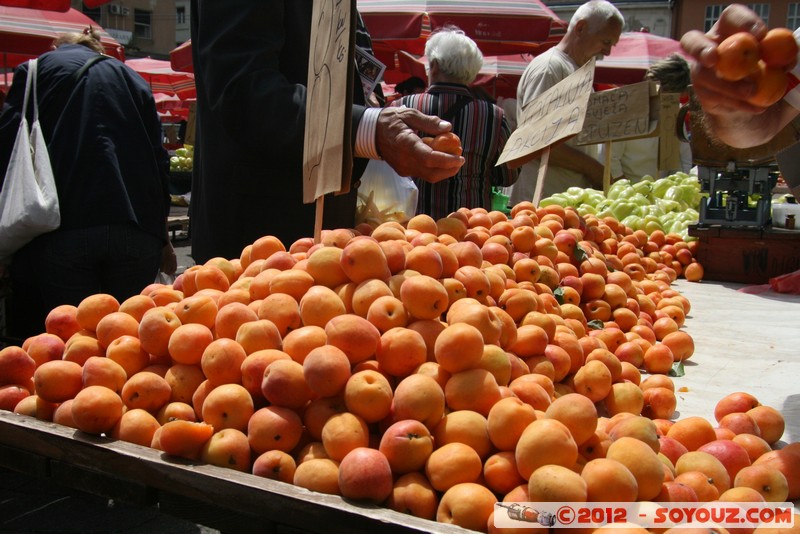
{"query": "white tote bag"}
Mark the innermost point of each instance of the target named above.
(28, 199)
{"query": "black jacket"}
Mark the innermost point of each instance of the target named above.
(251, 66)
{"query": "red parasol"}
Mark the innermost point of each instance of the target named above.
(181, 57)
(632, 56)
(163, 79)
(27, 33)
(498, 26)
(50, 5)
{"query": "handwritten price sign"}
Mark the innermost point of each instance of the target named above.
(327, 158)
(554, 115)
(624, 113)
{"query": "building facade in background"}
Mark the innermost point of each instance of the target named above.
(702, 15)
(654, 16)
(144, 27)
(673, 18)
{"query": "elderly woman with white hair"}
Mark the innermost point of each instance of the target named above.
(454, 62)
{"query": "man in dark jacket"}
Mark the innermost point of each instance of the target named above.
(251, 67)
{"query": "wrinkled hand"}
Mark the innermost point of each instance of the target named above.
(404, 151)
(169, 262)
(717, 96)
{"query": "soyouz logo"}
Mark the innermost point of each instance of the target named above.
(644, 514)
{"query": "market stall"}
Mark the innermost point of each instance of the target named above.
(408, 375)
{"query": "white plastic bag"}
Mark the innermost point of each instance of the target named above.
(29, 200)
(164, 278)
(384, 195)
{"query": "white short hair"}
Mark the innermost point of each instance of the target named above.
(457, 56)
(596, 13)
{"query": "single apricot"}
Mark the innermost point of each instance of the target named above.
(771, 84)
(184, 438)
(136, 426)
(779, 48)
(738, 56)
(446, 142)
(58, 380)
(96, 409)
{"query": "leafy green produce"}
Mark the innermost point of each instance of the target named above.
(669, 204)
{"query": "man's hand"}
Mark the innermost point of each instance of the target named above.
(727, 114)
(717, 96)
(169, 262)
(400, 146)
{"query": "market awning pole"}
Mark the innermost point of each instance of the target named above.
(607, 168)
(543, 162)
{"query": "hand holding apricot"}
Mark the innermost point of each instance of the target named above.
(406, 153)
(751, 110)
(765, 62)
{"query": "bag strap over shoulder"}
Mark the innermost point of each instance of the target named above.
(30, 90)
(89, 62)
(69, 84)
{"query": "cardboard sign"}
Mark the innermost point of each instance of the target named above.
(626, 112)
(328, 161)
(669, 146)
(554, 115)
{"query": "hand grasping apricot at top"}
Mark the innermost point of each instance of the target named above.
(738, 113)
(446, 142)
(740, 53)
(764, 61)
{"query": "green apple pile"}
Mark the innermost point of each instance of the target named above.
(183, 159)
(668, 204)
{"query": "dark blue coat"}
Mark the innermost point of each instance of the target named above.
(104, 139)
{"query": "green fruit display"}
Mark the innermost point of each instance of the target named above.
(668, 204)
(183, 159)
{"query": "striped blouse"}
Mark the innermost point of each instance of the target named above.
(483, 131)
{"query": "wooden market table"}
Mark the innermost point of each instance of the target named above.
(743, 342)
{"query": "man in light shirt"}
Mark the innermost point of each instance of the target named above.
(593, 30)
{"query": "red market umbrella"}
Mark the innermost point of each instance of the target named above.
(632, 56)
(498, 26)
(180, 57)
(499, 74)
(27, 33)
(50, 5)
(165, 102)
(163, 79)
